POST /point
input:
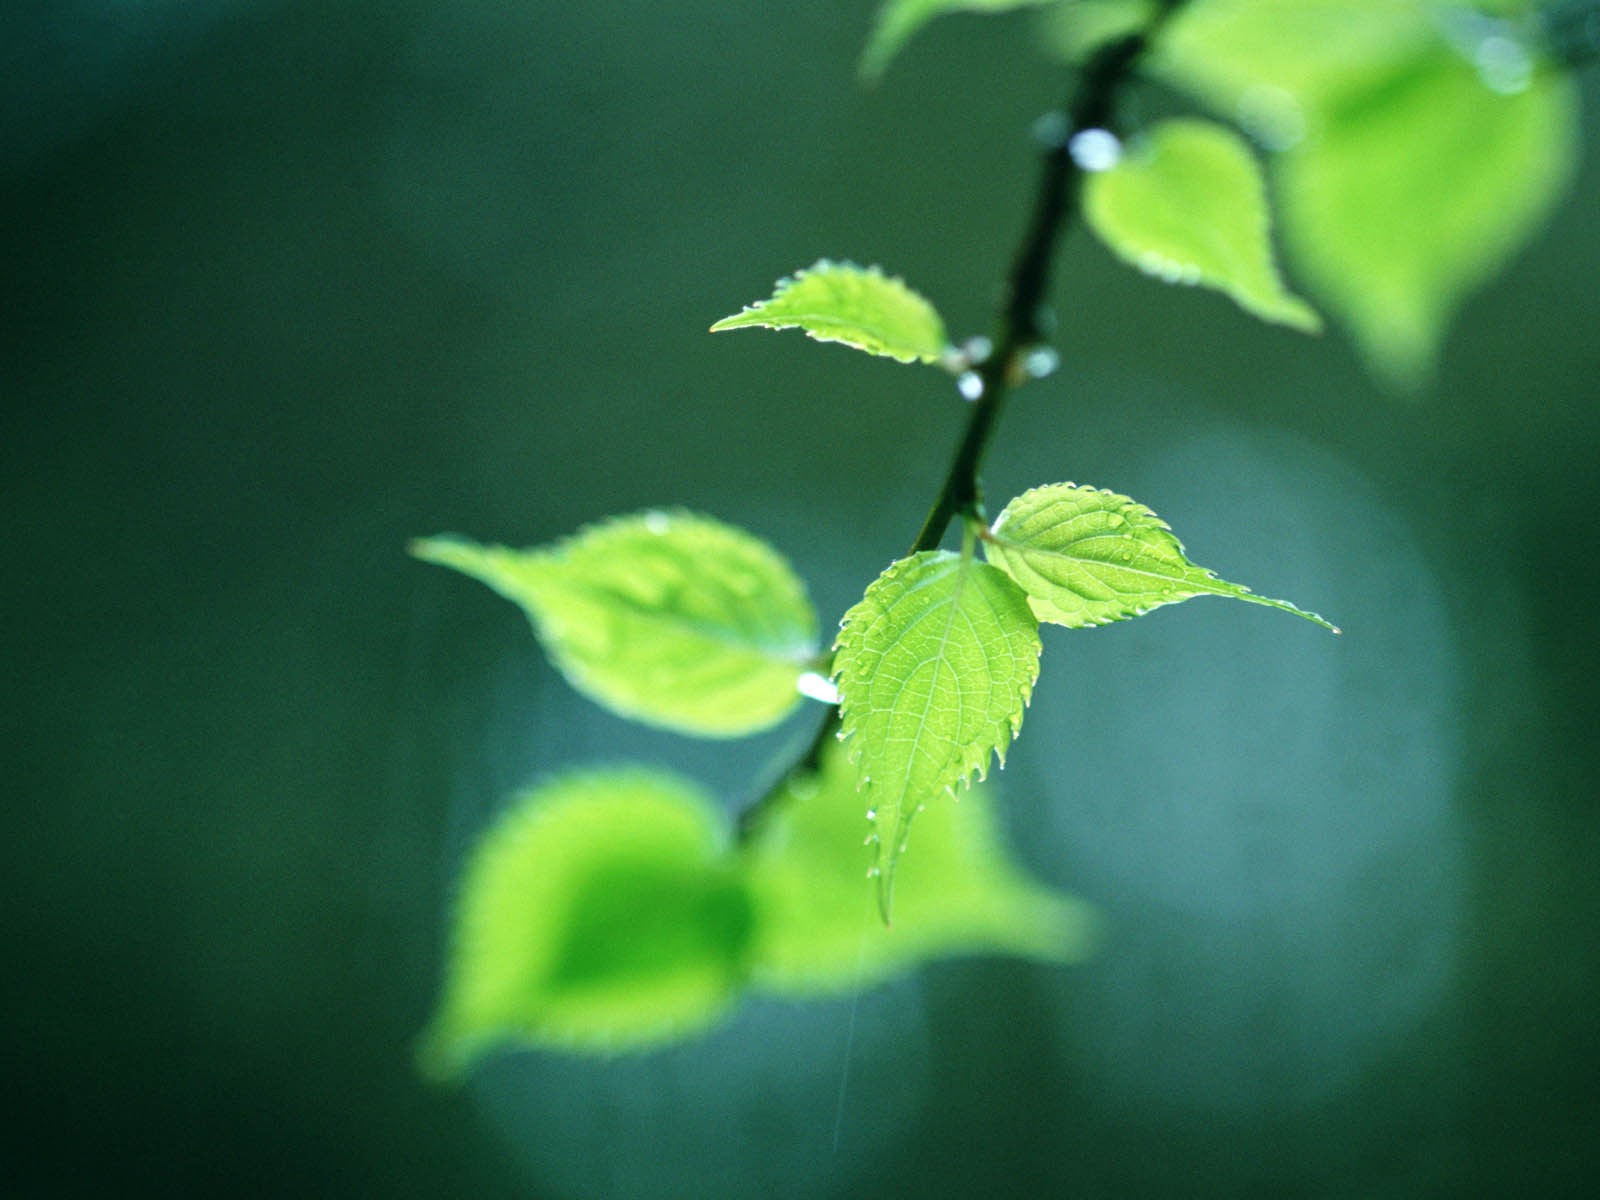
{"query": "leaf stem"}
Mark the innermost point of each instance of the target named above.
(1020, 328)
(1022, 320)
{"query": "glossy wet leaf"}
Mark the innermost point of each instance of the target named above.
(1412, 163)
(668, 617)
(602, 912)
(1187, 203)
(860, 307)
(1087, 557)
(934, 666)
(957, 892)
(898, 19)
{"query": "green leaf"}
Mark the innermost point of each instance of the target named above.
(1412, 195)
(863, 308)
(958, 893)
(668, 617)
(899, 19)
(935, 666)
(1188, 204)
(602, 912)
(1088, 557)
(1415, 154)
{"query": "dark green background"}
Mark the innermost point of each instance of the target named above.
(288, 283)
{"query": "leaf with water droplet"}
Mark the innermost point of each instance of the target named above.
(602, 912)
(936, 664)
(671, 618)
(1188, 204)
(858, 307)
(899, 19)
(1408, 171)
(1086, 556)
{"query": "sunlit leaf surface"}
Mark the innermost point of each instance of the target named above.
(602, 912)
(667, 617)
(1418, 146)
(1087, 557)
(957, 891)
(935, 666)
(1187, 204)
(857, 306)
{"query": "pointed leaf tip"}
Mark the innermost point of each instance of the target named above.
(858, 307)
(1188, 204)
(935, 666)
(671, 618)
(1086, 556)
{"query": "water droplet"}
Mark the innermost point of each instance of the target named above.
(872, 814)
(1041, 361)
(657, 522)
(970, 385)
(873, 872)
(1503, 64)
(817, 687)
(977, 349)
(1095, 149)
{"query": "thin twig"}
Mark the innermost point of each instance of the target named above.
(1019, 330)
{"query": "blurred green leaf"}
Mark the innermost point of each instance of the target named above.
(670, 618)
(1419, 146)
(1409, 197)
(899, 19)
(1085, 557)
(602, 912)
(1187, 204)
(935, 665)
(861, 308)
(958, 891)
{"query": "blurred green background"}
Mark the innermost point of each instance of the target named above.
(286, 284)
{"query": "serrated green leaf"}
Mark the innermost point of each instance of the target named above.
(958, 893)
(899, 19)
(858, 307)
(1188, 204)
(1085, 557)
(935, 666)
(602, 912)
(667, 617)
(1412, 164)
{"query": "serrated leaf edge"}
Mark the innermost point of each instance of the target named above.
(753, 314)
(1206, 583)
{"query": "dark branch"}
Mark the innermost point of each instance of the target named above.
(1020, 327)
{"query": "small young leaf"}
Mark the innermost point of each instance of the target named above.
(935, 666)
(863, 308)
(602, 912)
(671, 618)
(959, 893)
(899, 19)
(1088, 557)
(1187, 203)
